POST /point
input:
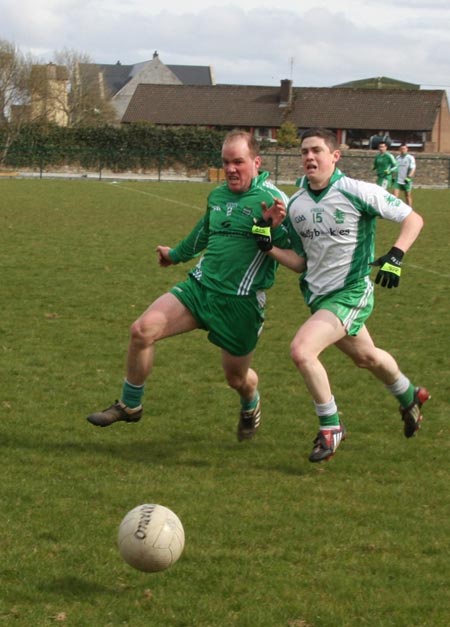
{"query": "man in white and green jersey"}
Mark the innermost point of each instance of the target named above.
(385, 165)
(331, 220)
(224, 293)
(406, 168)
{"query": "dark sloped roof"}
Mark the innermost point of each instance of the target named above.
(192, 74)
(240, 105)
(117, 75)
(220, 105)
(367, 108)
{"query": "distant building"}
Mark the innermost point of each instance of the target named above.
(184, 95)
(120, 81)
(418, 117)
(47, 98)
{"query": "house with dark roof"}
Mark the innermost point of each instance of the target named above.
(119, 82)
(416, 116)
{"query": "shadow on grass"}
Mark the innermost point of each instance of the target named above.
(71, 588)
(181, 449)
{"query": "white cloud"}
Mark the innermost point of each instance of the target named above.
(247, 42)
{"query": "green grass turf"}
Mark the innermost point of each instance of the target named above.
(271, 540)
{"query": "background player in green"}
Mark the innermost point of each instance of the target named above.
(385, 165)
(332, 220)
(224, 293)
(406, 168)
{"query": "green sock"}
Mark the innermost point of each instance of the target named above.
(249, 405)
(327, 413)
(132, 394)
(407, 397)
(403, 390)
(329, 421)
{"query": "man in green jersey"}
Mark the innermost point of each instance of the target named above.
(224, 293)
(331, 220)
(385, 165)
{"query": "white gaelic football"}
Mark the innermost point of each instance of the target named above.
(151, 538)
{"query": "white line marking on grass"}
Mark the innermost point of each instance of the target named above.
(164, 198)
(445, 276)
(177, 202)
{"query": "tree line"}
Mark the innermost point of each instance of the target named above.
(130, 147)
(24, 81)
(32, 92)
(90, 135)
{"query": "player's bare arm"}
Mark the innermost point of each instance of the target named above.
(409, 231)
(289, 258)
(163, 256)
(390, 264)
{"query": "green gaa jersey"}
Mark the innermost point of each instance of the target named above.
(384, 164)
(232, 262)
(335, 231)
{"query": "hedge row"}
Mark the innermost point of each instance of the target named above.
(131, 147)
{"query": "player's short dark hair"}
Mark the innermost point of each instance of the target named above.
(251, 140)
(324, 133)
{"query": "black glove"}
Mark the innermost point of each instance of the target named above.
(261, 233)
(390, 268)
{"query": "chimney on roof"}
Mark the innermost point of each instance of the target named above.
(286, 93)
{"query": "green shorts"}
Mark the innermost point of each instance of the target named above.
(404, 187)
(384, 181)
(234, 323)
(352, 305)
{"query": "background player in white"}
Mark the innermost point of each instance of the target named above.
(406, 168)
(332, 221)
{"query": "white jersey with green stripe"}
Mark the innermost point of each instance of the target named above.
(231, 262)
(335, 230)
(406, 164)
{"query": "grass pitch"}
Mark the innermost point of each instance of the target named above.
(271, 540)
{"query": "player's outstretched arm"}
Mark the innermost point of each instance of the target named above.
(409, 231)
(164, 259)
(390, 264)
(289, 258)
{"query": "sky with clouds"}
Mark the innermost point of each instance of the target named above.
(253, 42)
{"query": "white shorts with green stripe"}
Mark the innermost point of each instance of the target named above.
(352, 304)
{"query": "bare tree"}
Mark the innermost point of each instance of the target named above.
(12, 80)
(88, 103)
(15, 72)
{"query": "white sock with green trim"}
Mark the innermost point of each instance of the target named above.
(328, 414)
